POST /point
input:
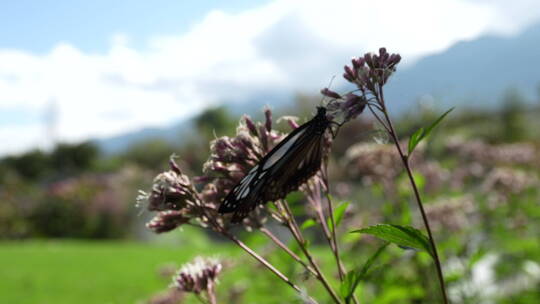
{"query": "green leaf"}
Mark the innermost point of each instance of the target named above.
(416, 137)
(346, 287)
(476, 257)
(355, 276)
(339, 212)
(436, 122)
(419, 179)
(422, 133)
(403, 236)
(308, 223)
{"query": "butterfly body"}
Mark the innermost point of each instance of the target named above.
(285, 168)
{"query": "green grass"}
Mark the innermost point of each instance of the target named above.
(74, 271)
(82, 272)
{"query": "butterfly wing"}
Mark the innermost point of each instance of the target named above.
(238, 195)
(249, 192)
(291, 163)
(291, 172)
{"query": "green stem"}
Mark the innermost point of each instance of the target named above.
(405, 160)
(217, 227)
(295, 230)
(261, 260)
(280, 244)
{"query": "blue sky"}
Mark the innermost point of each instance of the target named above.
(75, 70)
(37, 26)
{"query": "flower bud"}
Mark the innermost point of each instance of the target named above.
(353, 106)
(329, 93)
(170, 191)
(291, 120)
(368, 57)
(349, 72)
(173, 165)
(197, 276)
(268, 121)
(250, 126)
(355, 63)
(167, 220)
(264, 138)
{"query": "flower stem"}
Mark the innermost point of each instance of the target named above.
(405, 160)
(211, 294)
(280, 244)
(262, 260)
(341, 269)
(219, 228)
(201, 299)
(330, 237)
(295, 230)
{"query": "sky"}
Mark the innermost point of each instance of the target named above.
(76, 70)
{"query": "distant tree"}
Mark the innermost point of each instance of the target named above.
(151, 153)
(215, 121)
(513, 123)
(31, 165)
(74, 158)
(538, 94)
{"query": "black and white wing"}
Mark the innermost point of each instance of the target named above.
(290, 164)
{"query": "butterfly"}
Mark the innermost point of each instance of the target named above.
(285, 168)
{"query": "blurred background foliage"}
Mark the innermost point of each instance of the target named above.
(479, 173)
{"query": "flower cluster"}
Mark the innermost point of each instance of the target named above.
(487, 162)
(451, 213)
(177, 200)
(488, 154)
(168, 220)
(379, 163)
(368, 73)
(374, 161)
(371, 70)
(508, 181)
(348, 106)
(232, 157)
(197, 276)
(171, 190)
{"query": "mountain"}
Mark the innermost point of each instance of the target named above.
(472, 73)
(475, 73)
(116, 144)
(182, 129)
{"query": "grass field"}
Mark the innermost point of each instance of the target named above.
(82, 272)
(73, 271)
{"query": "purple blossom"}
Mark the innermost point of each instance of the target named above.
(168, 220)
(197, 276)
(372, 69)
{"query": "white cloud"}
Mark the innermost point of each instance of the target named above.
(511, 16)
(284, 45)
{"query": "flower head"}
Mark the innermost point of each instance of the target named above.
(177, 199)
(371, 70)
(168, 220)
(232, 157)
(170, 191)
(199, 275)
